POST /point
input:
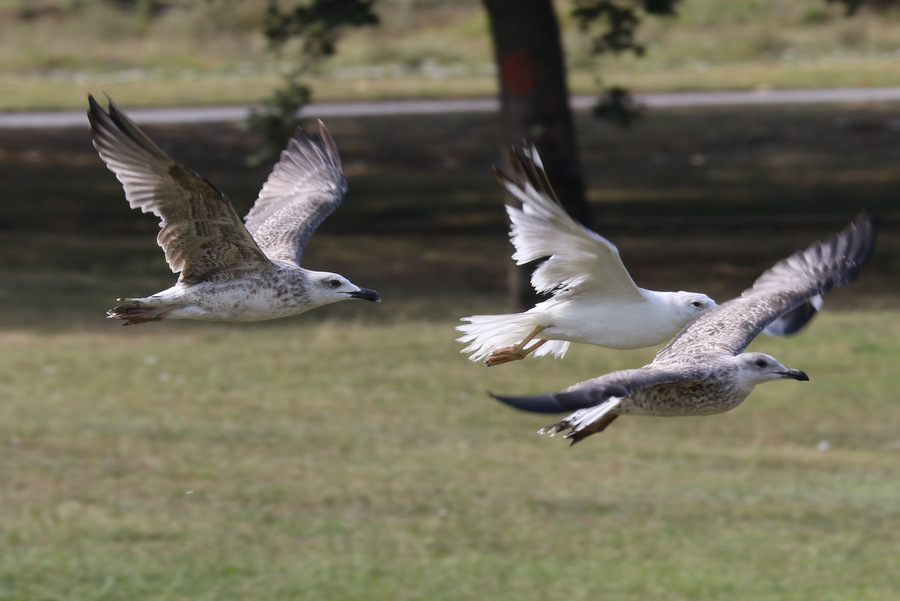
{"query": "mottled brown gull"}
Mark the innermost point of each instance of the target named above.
(594, 299)
(228, 271)
(704, 370)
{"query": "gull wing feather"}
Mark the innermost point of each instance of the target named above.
(201, 234)
(781, 293)
(589, 393)
(304, 188)
(796, 319)
(580, 259)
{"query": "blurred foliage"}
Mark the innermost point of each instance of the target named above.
(143, 10)
(617, 105)
(618, 23)
(317, 25)
(278, 117)
(852, 6)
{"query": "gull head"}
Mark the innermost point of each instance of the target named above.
(756, 368)
(325, 288)
(692, 305)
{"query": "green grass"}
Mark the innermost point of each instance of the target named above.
(352, 452)
(334, 459)
(214, 52)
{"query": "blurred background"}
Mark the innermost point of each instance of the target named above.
(352, 451)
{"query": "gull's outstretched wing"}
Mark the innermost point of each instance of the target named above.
(579, 257)
(202, 236)
(783, 295)
(304, 188)
(590, 393)
(594, 403)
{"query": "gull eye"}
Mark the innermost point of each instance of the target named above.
(334, 283)
(697, 304)
(761, 363)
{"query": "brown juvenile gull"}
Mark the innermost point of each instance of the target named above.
(594, 300)
(704, 370)
(229, 271)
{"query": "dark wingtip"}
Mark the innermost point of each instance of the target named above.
(95, 112)
(794, 320)
(541, 403)
(869, 224)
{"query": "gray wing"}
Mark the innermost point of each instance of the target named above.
(201, 234)
(304, 188)
(595, 391)
(783, 295)
(578, 257)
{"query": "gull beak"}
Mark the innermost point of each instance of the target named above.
(795, 374)
(366, 294)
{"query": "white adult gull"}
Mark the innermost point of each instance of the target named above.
(594, 300)
(704, 370)
(228, 271)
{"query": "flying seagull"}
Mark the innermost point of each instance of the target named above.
(228, 271)
(594, 300)
(704, 370)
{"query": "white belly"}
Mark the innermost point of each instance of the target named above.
(615, 325)
(241, 300)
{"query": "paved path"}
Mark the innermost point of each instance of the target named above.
(418, 107)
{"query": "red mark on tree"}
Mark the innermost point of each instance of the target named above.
(519, 71)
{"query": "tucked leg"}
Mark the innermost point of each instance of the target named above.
(519, 351)
(137, 313)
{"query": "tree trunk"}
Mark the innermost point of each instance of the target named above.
(534, 102)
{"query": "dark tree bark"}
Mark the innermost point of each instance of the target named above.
(534, 101)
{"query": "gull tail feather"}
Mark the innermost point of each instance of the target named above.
(557, 348)
(487, 333)
(585, 422)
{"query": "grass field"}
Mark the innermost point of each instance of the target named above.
(328, 459)
(352, 453)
